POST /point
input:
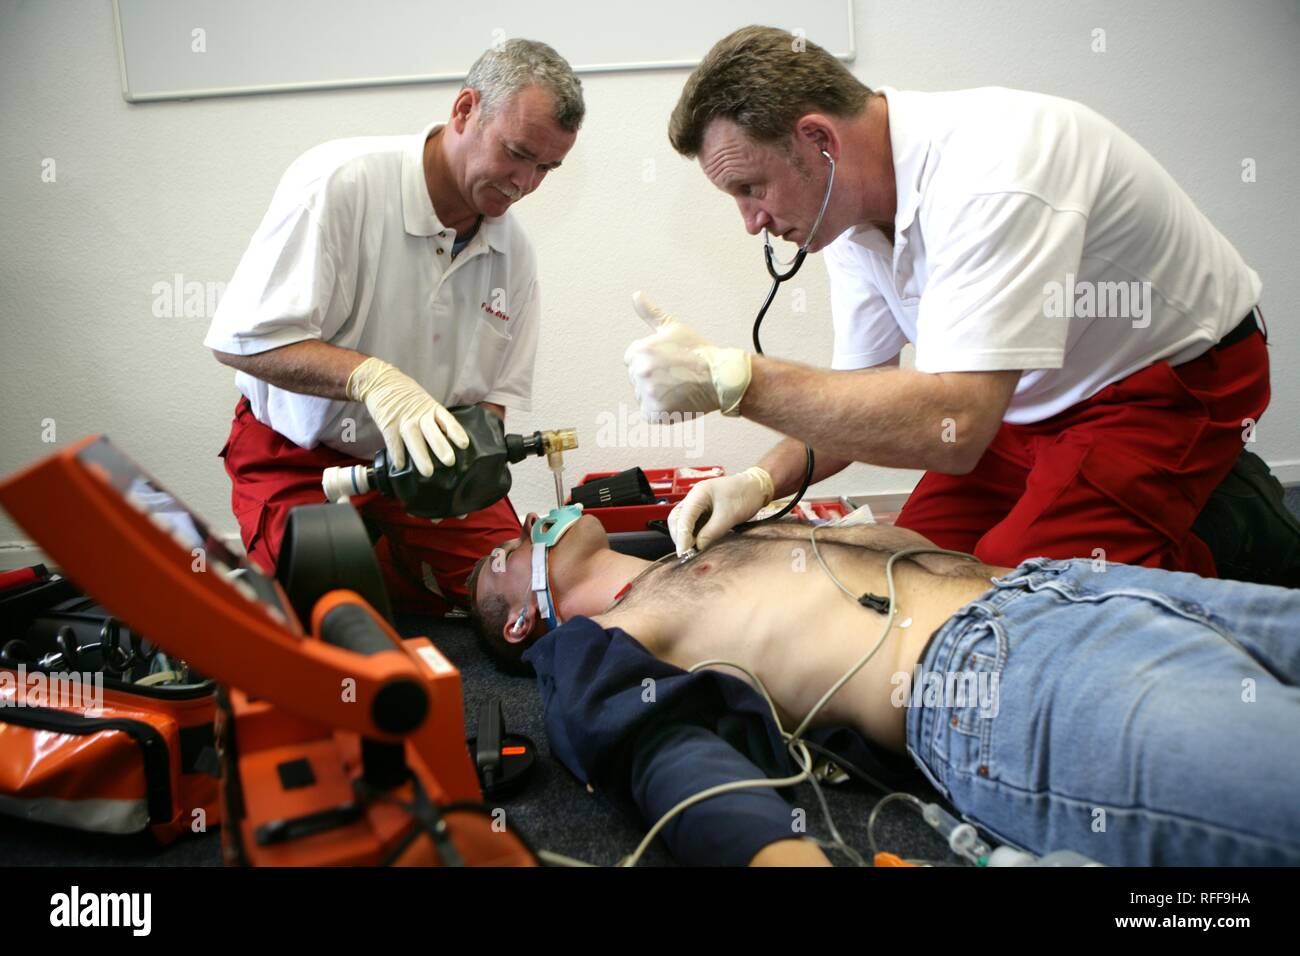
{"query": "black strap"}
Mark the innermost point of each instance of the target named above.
(1244, 329)
(427, 821)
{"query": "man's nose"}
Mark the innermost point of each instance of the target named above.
(524, 181)
(755, 219)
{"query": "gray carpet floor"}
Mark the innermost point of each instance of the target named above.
(555, 812)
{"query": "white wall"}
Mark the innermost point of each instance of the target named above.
(150, 191)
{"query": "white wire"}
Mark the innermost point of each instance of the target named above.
(889, 618)
(559, 859)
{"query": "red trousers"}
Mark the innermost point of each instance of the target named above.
(1121, 476)
(424, 562)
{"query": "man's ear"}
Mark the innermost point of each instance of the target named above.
(519, 625)
(466, 102)
(819, 132)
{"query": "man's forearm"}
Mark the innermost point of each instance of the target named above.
(895, 418)
(312, 367)
(787, 462)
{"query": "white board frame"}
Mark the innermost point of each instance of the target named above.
(847, 53)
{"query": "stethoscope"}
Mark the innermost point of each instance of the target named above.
(769, 256)
(791, 269)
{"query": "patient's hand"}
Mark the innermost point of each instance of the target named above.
(792, 852)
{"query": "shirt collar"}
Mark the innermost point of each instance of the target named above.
(909, 142)
(417, 208)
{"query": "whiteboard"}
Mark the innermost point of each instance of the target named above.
(187, 49)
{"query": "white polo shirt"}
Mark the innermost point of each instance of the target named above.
(351, 253)
(1031, 233)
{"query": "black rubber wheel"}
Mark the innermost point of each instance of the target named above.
(326, 547)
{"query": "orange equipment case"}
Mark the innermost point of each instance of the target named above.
(122, 764)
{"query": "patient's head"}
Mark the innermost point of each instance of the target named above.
(584, 574)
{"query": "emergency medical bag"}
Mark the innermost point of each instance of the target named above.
(99, 730)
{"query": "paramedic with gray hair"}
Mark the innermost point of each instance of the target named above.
(387, 282)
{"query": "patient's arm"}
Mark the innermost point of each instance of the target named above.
(646, 756)
(751, 826)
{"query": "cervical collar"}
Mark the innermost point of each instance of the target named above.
(546, 533)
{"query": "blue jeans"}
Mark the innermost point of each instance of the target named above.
(1140, 717)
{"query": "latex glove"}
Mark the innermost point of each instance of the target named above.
(727, 501)
(408, 416)
(675, 370)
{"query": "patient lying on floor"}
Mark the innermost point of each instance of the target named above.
(762, 601)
